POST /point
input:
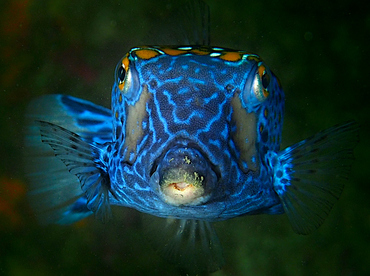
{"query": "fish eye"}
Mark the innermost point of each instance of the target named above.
(261, 83)
(127, 79)
(121, 74)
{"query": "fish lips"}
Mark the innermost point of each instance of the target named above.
(183, 177)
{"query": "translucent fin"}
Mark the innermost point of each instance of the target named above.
(189, 25)
(82, 160)
(77, 211)
(310, 175)
(192, 245)
(88, 120)
(55, 194)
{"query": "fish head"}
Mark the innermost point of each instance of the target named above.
(190, 122)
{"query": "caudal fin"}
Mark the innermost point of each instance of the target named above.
(310, 175)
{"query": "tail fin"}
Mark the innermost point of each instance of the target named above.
(310, 175)
(55, 193)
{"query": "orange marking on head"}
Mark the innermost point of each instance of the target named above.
(200, 51)
(146, 53)
(125, 62)
(261, 70)
(173, 52)
(231, 56)
(253, 58)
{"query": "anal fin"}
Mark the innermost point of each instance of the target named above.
(192, 245)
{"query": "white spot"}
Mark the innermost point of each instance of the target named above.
(215, 54)
(185, 48)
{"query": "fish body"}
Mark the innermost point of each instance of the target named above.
(193, 135)
(192, 104)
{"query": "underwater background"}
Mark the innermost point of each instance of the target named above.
(319, 51)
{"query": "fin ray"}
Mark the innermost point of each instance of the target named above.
(55, 194)
(81, 159)
(192, 245)
(310, 175)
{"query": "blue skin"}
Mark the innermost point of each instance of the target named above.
(189, 103)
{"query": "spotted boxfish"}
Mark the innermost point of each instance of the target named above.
(193, 136)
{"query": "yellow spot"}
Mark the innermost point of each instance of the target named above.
(173, 52)
(261, 70)
(146, 53)
(261, 128)
(253, 58)
(120, 98)
(231, 56)
(265, 113)
(187, 160)
(200, 51)
(245, 135)
(125, 62)
(116, 114)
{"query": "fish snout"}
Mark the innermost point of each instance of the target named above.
(184, 177)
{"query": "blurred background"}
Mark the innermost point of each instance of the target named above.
(318, 50)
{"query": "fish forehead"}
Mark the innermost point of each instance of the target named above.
(196, 65)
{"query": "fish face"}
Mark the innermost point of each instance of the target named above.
(190, 125)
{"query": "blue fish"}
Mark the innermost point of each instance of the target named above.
(193, 136)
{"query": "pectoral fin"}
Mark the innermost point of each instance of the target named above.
(309, 176)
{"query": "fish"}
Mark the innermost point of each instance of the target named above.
(193, 137)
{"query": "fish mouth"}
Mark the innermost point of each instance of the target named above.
(183, 176)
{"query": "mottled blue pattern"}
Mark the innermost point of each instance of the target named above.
(189, 103)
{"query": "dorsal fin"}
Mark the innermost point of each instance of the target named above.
(187, 25)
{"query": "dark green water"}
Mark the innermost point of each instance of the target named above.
(318, 50)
